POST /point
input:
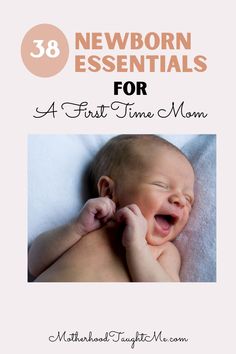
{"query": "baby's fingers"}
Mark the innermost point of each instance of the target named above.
(128, 211)
(135, 209)
(106, 209)
(124, 215)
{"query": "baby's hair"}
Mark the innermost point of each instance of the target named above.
(120, 152)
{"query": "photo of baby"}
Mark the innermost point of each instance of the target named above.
(141, 190)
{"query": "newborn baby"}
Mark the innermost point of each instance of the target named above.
(143, 195)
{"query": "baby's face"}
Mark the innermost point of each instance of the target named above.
(163, 190)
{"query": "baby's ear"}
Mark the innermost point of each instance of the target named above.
(106, 187)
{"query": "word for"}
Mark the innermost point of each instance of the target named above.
(129, 88)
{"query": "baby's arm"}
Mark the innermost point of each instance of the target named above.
(142, 266)
(49, 246)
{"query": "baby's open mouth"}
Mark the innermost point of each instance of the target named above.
(165, 221)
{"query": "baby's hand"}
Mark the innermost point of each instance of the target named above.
(135, 225)
(95, 213)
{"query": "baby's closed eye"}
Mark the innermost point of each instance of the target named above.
(161, 185)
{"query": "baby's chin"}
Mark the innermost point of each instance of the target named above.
(157, 240)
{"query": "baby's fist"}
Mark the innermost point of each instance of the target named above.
(95, 213)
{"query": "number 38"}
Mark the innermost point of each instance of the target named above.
(52, 50)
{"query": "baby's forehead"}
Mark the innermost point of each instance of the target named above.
(158, 145)
(154, 151)
(148, 152)
(164, 159)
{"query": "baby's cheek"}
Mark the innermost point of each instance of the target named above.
(184, 221)
(188, 215)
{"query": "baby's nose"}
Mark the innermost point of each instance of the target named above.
(177, 199)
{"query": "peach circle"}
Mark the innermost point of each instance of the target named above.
(44, 50)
